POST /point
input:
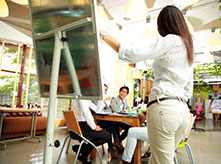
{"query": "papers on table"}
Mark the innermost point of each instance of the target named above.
(216, 104)
(109, 113)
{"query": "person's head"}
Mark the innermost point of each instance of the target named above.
(105, 88)
(123, 92)
(172, 21)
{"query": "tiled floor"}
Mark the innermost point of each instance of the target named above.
(206, 148)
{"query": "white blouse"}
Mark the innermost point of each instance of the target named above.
(173, 74)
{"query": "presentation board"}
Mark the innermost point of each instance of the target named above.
(75, 21)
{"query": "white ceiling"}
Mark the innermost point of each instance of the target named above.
(203, 16)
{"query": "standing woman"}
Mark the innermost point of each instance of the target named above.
(168, 113)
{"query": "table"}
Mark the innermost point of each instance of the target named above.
(132, 120)
(3, 112)
(216, 113)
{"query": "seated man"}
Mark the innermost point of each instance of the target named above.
(103, 105)
(134, 134)
(119, 104)
(88, 127)
(111, 127)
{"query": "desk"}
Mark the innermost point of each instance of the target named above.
(32, 128)
(132, 120)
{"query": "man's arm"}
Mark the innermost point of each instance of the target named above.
(114, 106)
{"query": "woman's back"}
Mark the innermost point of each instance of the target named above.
(172, 71)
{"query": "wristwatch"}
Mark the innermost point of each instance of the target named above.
(103, 33)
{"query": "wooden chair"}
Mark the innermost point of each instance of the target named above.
(184, 141)
(76, 134)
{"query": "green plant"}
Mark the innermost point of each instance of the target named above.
(149, 72)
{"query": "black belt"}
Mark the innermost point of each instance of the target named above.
(166, 98)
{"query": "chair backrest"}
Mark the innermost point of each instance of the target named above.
(199, 109)
(192, 119)
(199, 112)
(71, 122)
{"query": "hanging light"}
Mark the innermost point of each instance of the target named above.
(150, 3)
(184, 3)
(3, 9)
(21, 2)
(135, 9)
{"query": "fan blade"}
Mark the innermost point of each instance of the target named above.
(212, 24)
(188, 7)
(195, 22)
(189, 25)
(184, 2)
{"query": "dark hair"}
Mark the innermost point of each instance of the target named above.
(105, 85)
(124, 87)
(171, 21)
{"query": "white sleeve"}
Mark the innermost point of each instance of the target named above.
(146, 48)
(100, 106)
(87, 113)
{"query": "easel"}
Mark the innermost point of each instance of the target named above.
(60, 43)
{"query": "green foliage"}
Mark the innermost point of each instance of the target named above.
(203, 88)
(9, 51)
(8, 82)
(136, 88)
(213, 69)
(8, 87)
(198, 75)
(149, 72)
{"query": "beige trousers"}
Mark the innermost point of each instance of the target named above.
(168, 121)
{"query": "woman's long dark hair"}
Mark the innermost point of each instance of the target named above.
(171, 21)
